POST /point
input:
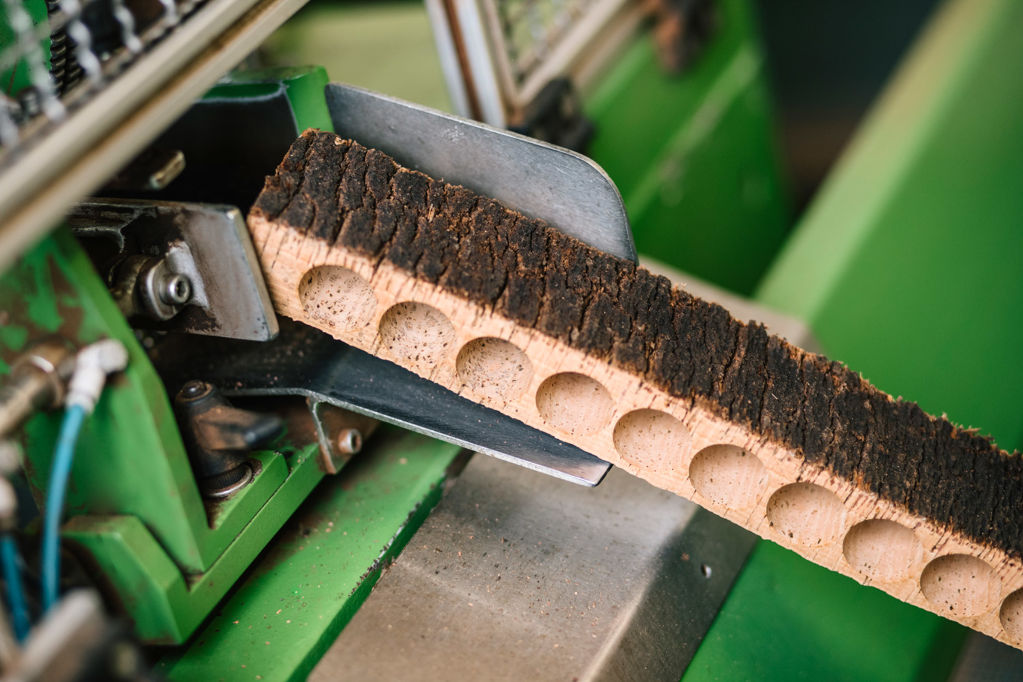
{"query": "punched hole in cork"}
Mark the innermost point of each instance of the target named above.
(1011, 616)
(807, 514)
(574, 403)
(882, 550)
(651, 439)
(416, 334)
(338, 297)
(729, 476)
(494, 368)
(960, 585)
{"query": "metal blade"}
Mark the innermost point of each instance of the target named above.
(303, 361)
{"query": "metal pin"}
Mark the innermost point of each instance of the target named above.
(80, 33)
(170, 13)
(127, 21)
(349, 441)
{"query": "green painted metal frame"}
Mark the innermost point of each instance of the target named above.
(693, 154)
(788, 619)
(134, 509)
(133, 501)
(295, 601)
(130, 456)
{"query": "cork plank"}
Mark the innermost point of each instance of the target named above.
(511, 313)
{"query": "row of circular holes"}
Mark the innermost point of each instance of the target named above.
(726, 475)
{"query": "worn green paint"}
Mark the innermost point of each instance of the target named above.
(907, 265)
(693, 154)
(130, 459)
(788, 619)
(304, 589)
(165, 604)
(133, 504)
(130, 464)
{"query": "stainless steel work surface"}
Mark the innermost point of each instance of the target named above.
(518, 576)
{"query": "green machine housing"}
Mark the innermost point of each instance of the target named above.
(906, 267)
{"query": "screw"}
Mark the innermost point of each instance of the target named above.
(194, 389)
(175, 289)
(349, 441)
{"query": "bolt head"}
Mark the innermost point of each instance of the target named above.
(349, 441)
(194, 389)
(176, 290)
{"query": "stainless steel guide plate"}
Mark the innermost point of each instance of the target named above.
(540, 180)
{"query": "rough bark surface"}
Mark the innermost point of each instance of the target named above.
(608, 307)
(338, 196)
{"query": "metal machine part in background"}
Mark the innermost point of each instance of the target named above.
(499, 56)
(158, 60)
(38, 381)
(78, 642)
(256, 114)
(556, 116)
(693, 154)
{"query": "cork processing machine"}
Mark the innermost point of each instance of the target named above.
(197, 488)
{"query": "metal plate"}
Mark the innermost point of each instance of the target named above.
(561, 187)
(519, 577)
(229, 297)
(304, 361)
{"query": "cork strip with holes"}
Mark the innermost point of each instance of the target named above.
(510, 313)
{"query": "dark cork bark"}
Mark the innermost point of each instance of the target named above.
(611, 309)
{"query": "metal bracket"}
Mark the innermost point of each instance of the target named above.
(167, 243)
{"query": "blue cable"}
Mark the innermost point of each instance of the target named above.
(74, 416)
(15, 591)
